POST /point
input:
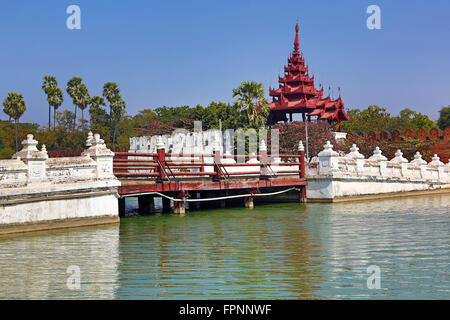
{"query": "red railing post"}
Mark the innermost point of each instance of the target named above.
(217, 161)
(161, 157)
(202, 159)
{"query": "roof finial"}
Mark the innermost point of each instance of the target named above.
(296, 41)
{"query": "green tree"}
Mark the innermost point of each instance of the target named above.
(48, 85)
(118, 111)
(252, 103)
(111, 92)
(79, 93)
(56, 101)
(374, 118)
(99, 122)
(444, 117)
(83, 101)
(14, 106)
(117, 106)
(410, 119)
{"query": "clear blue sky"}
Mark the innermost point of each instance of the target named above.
(193, 52)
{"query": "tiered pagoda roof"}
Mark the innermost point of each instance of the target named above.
(297, 94)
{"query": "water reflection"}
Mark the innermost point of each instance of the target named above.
(33, 266)
(218, 254)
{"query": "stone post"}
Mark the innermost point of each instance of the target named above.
(328, 159)
(355, 154)
(418, 161)
(101, 155)
(34, 159)
(403, 162)
(439, 165)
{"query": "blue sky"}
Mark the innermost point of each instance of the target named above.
(193, 52)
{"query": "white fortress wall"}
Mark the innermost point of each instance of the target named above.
(35, 188)
(334, 176)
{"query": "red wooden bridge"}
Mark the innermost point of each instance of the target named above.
(206, 177)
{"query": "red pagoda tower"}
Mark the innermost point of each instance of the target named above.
(297, 94)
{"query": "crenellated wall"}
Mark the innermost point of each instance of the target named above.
(439, 139)
(332, 176)
(38, 192)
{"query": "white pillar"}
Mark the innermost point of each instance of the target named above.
(34, 159)
(101, 155)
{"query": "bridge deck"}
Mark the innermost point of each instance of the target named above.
(175, 176)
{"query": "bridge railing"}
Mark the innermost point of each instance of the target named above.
(163, 166)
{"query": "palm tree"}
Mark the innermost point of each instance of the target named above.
(84, 99)
(79, 94)
(252, 103)
(95, 105)
(111, 92)
(14, 107)
(56, 101)
(71, 89)
(48, 84)
(118, 111)
(98, 116)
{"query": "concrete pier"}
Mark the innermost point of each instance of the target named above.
(146, 204)
(249, 202)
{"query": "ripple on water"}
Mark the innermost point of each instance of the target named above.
(282, 251)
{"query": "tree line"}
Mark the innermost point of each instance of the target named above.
(108, 117)
(14, 106)
(375, 118)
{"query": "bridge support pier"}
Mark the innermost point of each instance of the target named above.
(146, 204)
(121, 207)
(179, 208)
(165, 205)
(249, 202)
(302, 195)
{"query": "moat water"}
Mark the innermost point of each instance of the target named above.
(283, 251)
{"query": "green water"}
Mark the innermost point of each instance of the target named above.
(285, 251)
